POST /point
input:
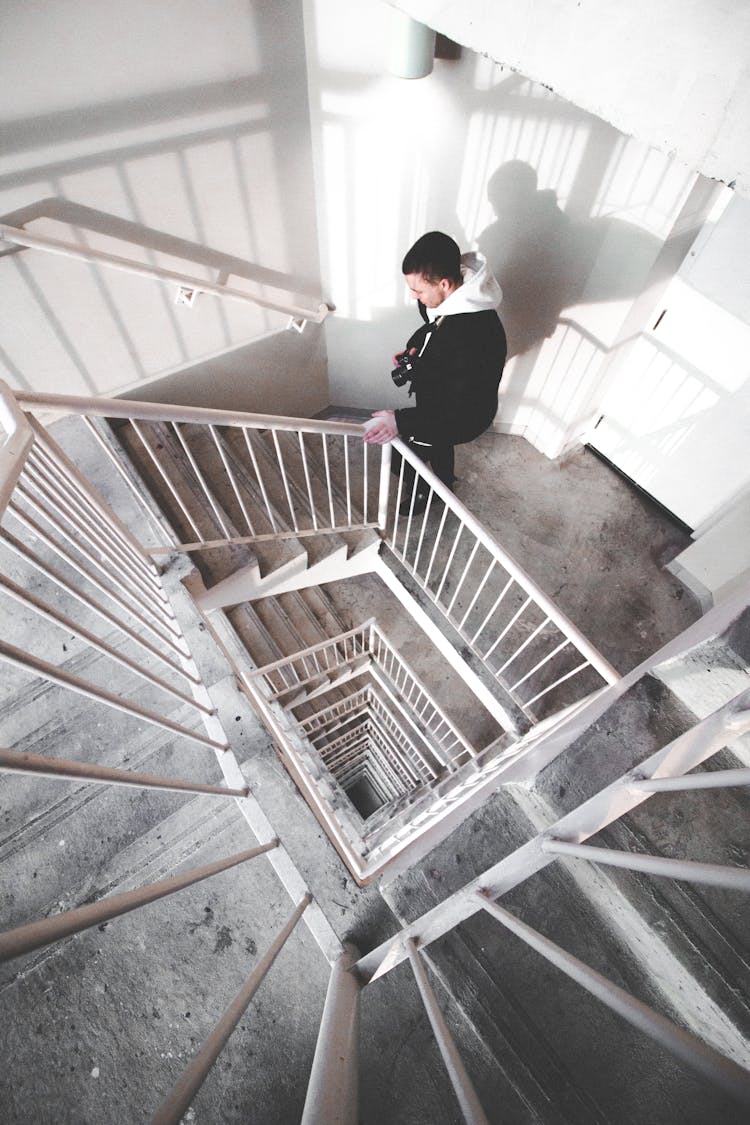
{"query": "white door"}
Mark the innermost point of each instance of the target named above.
(677, 421)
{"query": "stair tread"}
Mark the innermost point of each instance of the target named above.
(514, 998)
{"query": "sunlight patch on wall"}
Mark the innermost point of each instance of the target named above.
(378, 186)
(643, 186)
(202, 193)
(552, 149)
(337, 171)
(87, 152)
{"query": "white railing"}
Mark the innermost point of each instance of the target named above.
(412, 753)
(232, 477)
(454, 749)
(255, 478)
(56, 527)
(498, 611)
(76, 571)
(62, 516)
(325, 661)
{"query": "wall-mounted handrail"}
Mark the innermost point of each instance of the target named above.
(34, 241)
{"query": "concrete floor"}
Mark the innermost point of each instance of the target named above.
(594, 543)
(114, 1023)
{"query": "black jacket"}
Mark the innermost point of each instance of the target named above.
(456, 380)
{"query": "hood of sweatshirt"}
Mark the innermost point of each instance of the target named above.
(479, 291)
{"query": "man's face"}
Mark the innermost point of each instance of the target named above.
(430, 293)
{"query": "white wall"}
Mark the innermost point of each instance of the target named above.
(572, 215)
(674, 74)
(176, 132)
(677, 415)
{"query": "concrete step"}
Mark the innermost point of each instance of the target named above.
(59, 838)
(679, 947)
(337, 561)
(129, 1002)
(256, 638)
(568, 1058)
(524, 1055)
(209, 519)
(710, 674)
(75, 846)
(287, 622)
(272, 628)
(709, 933)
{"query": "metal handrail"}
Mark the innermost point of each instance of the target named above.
(16, 439)
(34, 241)
(156, 412)
(130, 409)
(532, 589)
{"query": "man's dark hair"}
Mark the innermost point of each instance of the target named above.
(435, 255)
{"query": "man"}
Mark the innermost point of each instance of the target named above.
(457, 355)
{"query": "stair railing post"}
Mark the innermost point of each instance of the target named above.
(384, 486)
(177, 1102)
(333, 1086)
(471, 1108)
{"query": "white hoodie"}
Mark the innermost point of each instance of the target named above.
(479, 290)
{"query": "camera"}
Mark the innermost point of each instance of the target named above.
(405, 370)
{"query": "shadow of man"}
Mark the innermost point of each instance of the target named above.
(546, 261)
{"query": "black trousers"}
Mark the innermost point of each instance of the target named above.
(439, 457)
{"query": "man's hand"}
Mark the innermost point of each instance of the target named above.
(383, 430)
